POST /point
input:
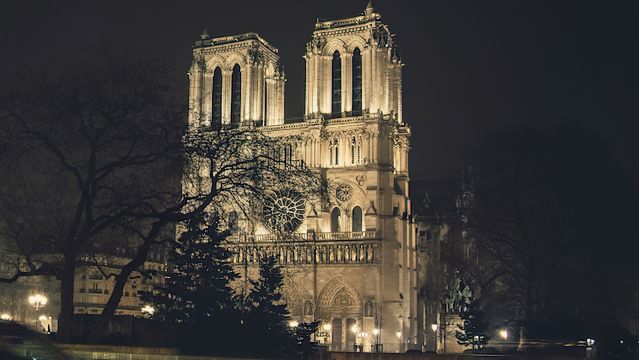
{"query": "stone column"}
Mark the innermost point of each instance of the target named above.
(226, 96)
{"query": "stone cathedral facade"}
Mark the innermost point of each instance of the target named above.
(350, 261)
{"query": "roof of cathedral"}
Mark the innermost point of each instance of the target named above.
(369, 15)
(435, 197)
(207, 40)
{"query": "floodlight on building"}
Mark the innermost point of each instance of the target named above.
(293, 324)
(354, 329)
(376, 331)
(434, 327)
(326, 327)
(503, 334)
(399, 334)
(5, 317)
(38, 301)
(42, 318)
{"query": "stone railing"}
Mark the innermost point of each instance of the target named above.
(305, 237)
(344, 252)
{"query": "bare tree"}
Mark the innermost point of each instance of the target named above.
(96, 161)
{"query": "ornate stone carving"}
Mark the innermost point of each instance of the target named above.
(344, 192)
(284, 211)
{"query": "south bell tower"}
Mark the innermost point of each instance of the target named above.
(350, 260)
(353, 67)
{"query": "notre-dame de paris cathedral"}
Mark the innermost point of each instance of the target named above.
(352, 265)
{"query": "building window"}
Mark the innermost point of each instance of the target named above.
(336, 85)
(356, 219)
(333, 152)
(216, 106)
(236, 94)
(356, 90)
(335, 220)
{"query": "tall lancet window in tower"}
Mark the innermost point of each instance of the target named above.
(336, 85)
(236, 94)
(216, 105)
(356, 89)
(264, 103)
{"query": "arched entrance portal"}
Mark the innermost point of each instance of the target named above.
(340, 305)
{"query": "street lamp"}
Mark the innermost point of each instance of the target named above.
(148, 309)
(590, 342)
(326, 327)
(434, 327)
(503, 334)
(38, 301)
(293, 324)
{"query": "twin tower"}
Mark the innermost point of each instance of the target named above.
(352, 68)
(351, 257)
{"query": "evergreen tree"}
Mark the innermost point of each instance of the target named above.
(266, 314)
(472, 330)
(196, 293)
(197, 288)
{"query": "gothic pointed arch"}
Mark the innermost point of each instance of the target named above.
(236, 94)
(216, 97)
(356, 81)
(335, 219)
(356, 219)
(336, 84)
(339, 298)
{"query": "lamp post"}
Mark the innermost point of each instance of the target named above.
(354, 330)
(326, 327)
(376, 333)
(38, 301)
(434, 327)
(148, 309)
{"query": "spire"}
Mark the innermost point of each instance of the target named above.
(205, 34)
(369, 9)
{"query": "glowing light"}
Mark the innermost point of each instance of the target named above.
(5, 316)
(42, 318)
(148, 309)
(293, 323)
(399, 334)
(590, 342)
(326, 327)
(38, 301)
(376, 331)
(354, 329)
(434, 327)
(503, 334)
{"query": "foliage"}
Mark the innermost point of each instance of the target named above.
(197, 288)
(473, 328)
(96, 169)
(266, 314)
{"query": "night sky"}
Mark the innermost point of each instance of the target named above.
(472, 67)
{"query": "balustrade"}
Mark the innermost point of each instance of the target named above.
(307, 253)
